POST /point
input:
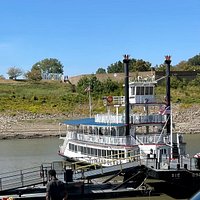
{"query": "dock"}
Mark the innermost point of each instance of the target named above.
(94, 181)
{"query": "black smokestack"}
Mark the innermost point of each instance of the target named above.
(168, 103)
(126, 81)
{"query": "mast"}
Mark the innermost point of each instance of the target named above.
(126, 81)
(168, 103)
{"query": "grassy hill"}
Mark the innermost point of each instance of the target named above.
(42, 97)
(53, 97)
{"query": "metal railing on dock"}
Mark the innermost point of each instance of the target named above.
(24, 178)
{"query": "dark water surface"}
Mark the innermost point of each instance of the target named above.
(25, 153)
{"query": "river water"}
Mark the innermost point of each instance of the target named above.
(25, 153)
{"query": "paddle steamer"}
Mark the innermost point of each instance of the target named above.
(139, 127)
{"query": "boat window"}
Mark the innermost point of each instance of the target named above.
(88, 151)
(161, 151)
(92, 151)
(104, 153)
(85, 130)
(81, 149)
(90, 130)
(95, 152)
(130, 153)
(99, 152)
(100, 131)
(109, 153)
(106, 131)
(151, 90)
(146, 90)
(138, 90)
(132, 90)
(121, 154)
(115, 154)
(142, 90)
(75, 148)
(96, 131)
(113, 131)
(77, 129)
(84, 150)
(121, 131)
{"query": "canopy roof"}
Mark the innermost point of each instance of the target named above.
(90, 122)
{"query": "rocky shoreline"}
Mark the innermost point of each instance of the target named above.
(25, 125)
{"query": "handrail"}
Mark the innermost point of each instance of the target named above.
(25, 177)
(77, 167)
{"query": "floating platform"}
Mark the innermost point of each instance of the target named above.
(123, 180)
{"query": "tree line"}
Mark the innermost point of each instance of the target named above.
(52, 66)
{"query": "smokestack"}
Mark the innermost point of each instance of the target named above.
(168, 103)
(126, 81)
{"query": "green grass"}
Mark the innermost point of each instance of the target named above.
(55, 97)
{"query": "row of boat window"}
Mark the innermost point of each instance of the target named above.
(99, 152)
(106, 131)
(141, 90)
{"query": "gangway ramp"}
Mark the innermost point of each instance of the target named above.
(24, 178)
(104, 171)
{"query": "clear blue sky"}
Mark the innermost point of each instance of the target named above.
(87, 34)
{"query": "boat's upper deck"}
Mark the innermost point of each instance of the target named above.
(90, 122)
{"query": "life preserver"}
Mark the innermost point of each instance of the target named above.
(109, 99)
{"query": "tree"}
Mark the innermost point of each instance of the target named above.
(2, 77)
(34, 75)
(91, 84)
(194, 61)
(191, 65)
(135, 65)
(51, 65)
(142, 65)
(182, 66)
(116, 67)
(101, 71)
(111, 86)
(196, 81)
(14, 72)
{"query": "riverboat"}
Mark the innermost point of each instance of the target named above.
(137, 125)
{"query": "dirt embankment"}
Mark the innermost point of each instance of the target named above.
(30, 126)
(186, 120)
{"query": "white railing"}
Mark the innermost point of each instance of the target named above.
(112, 140)
(137, 119)
(118, 100)
(136, 99)
(119, 140)
(134, 118)
(152, 138)
(109, 118)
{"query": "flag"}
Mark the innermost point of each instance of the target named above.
(165, 110)
(87, 89)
